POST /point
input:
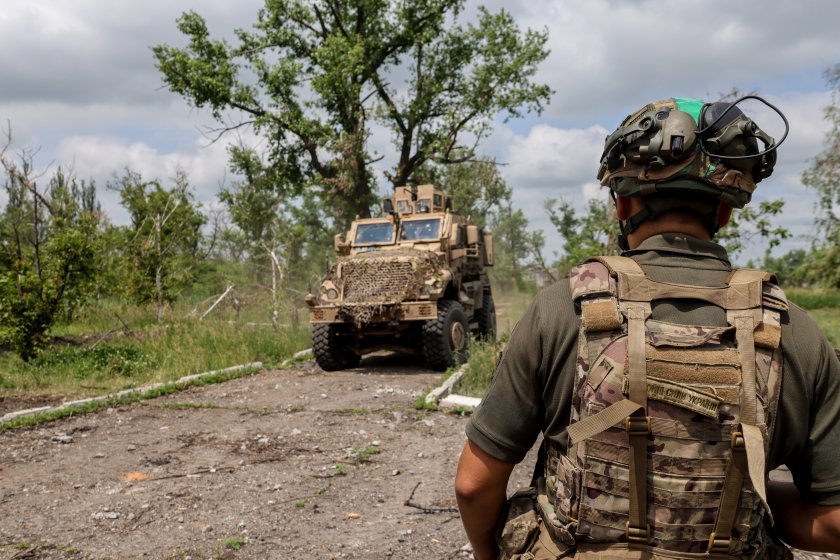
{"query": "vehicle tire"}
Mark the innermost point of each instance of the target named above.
(330, 353)
(446, 339)
(486, 318)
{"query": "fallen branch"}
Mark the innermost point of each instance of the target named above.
(196, 473)
(215, 303)
(427, 509)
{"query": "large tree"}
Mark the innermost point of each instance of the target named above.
(312, 77)
(48, 246)
(162, 242)
(595, 232)
(824, 177)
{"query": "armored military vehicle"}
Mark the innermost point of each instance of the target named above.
(414, 280)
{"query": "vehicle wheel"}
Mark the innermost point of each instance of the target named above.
(330, 353)
(486, 318)
(445, 339)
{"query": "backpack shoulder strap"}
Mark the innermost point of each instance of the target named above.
(620, 265)
(756, 326)
(595, 292)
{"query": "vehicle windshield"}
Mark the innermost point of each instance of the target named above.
(419, 230)
(380, 232)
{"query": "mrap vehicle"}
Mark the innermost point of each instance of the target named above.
(414, 280)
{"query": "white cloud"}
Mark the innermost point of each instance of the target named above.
(82, 86)
(552, 156)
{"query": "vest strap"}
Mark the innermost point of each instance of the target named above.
(593, 425)
(618, 264)
(637, 530)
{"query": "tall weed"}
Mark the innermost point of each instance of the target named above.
(814, 299)
(140, 352)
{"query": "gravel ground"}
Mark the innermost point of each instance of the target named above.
(293, 463)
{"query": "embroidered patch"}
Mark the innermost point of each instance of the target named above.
(679, 395)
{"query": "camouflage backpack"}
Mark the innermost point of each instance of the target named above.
(670, 423)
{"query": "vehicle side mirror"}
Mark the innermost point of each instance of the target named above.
(341, 246)
(472, 235)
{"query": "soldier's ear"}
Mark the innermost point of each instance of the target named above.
(724, 214)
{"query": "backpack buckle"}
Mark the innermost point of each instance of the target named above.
(637, 425)
(719, 545)
(637, 535)
(737, 441)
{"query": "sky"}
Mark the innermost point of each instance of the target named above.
(79, 89)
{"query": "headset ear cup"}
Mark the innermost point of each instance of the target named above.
(765, 166)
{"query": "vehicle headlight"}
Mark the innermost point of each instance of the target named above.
(329, 291)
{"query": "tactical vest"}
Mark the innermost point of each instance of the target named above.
(670, 423)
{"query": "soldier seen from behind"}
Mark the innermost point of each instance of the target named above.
(666, 385)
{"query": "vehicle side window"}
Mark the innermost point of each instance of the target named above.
(374, 233)
(414, 230)
(459, 237)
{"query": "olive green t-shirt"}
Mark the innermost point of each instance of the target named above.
(532, 385)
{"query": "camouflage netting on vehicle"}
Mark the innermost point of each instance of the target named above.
(371, 281)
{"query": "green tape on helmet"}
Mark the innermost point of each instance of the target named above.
(690, 106)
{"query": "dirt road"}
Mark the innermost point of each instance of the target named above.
(294, 463)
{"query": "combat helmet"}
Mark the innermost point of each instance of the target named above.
(691, 152)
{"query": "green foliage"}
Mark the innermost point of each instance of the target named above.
(484, 355)
(793, 269)
(829, 323)
(48, 246)
(420, 402)
(477, 190)
(120, 359)
(104, 361)
(161, 246)
(235, 543)
(751, 223)
(363, 454)
(585, 236)
(596, 231)
(310, 77)
(296, 230)
(826, 262)
(814, 299)
(824, 178)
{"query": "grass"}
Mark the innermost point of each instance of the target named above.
(145, 353)
(363, 454)
(420, 402)
(814, 299)
(235, 543)
(510, 306)
(829, 322)
(483, 356)
(94, 406)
